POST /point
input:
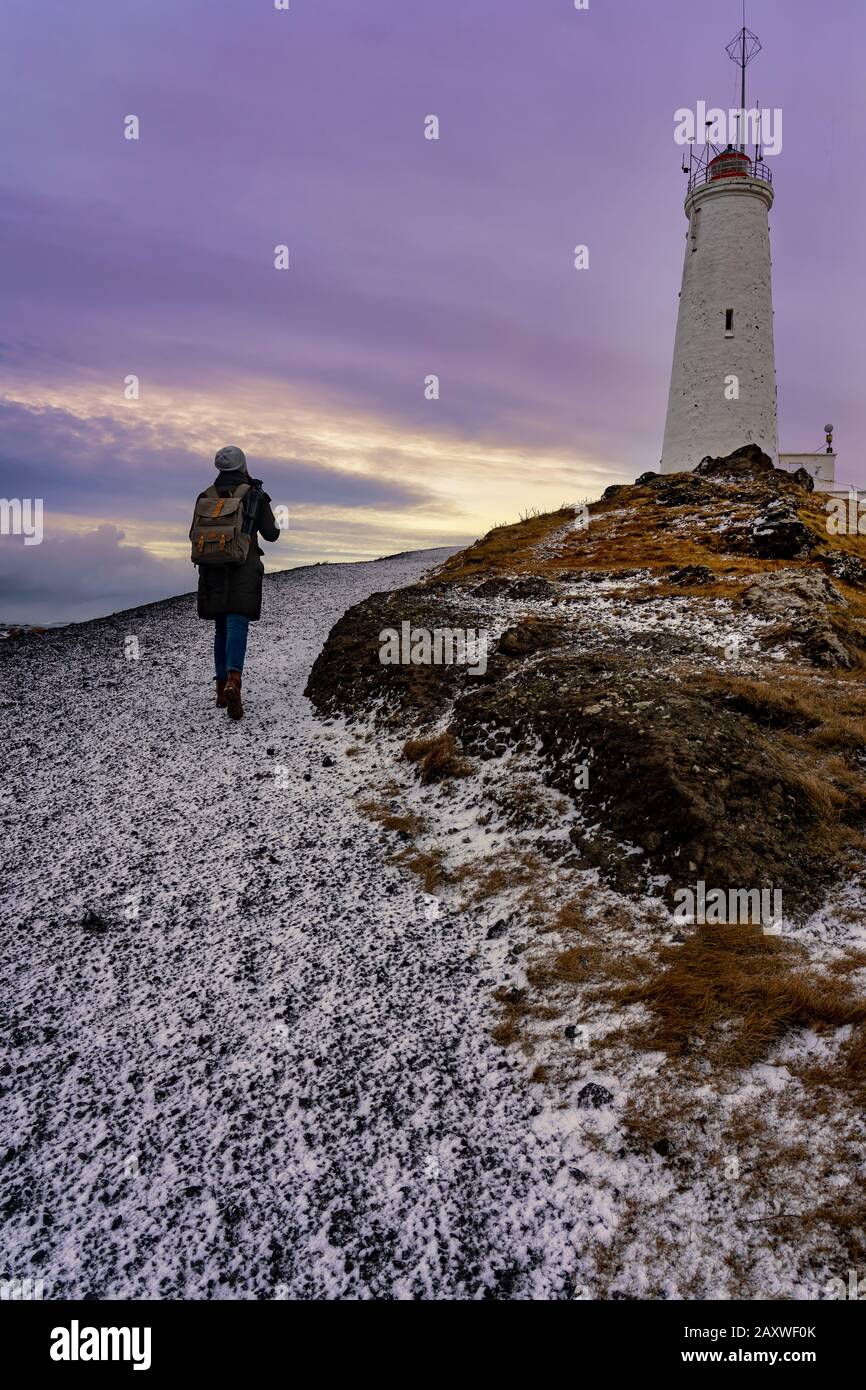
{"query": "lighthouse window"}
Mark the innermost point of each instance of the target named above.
(729, 323)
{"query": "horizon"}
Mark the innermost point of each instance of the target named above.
(7, 627)
(408, 257)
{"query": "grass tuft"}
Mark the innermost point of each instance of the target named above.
(731, 992)
(436, 757)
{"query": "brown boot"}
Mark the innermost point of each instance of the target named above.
(221, 694)
(233, 695)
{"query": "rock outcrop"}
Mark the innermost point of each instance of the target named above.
(674, 650)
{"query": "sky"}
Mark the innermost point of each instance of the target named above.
(408, 258)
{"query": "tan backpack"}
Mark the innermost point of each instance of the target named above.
(217, 528)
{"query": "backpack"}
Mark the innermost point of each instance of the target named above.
(217, 533)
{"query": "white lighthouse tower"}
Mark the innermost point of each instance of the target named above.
(723, 380)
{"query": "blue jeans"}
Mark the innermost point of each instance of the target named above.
(229, 643)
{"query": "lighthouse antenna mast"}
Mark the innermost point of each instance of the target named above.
(741, 50)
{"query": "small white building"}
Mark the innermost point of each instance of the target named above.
(822, 466)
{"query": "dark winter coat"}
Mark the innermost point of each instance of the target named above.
(238, 588)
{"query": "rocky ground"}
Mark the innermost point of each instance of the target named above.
(380, 993)
(675, 693)
(247, 1056)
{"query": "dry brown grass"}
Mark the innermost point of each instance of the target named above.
(513, 1012)
(573, 915)
(792, 703)
(517, 1010)
(788, 1178)
(632, 531)
(847, 963)
(496, 552)
(555, 979)
(731, 992)
(841, 732)
(520, 803)
(429, 865)
(853, 1060)
(584, 914)
(486, 881)
(846, 1215)
(402, 822)
(585, 964)
(792, 698)
(817, 726)
(436, 757)
(812, 788)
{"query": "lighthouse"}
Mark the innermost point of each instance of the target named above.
(723, 380)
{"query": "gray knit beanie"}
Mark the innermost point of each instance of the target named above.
(230, 457)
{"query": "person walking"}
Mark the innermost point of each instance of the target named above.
(229, 517)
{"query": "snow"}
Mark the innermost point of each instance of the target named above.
(675, 1225)
(271, 1076)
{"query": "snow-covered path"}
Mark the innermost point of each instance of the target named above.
(271, 1075)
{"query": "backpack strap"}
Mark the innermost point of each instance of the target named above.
(240, 490)
(252, 503)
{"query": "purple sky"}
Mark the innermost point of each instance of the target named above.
(408, 257)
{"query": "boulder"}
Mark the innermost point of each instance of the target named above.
(530, 636)
(684, 490)
(93, 923)
(779, 534)
(521, 586)
(823, 646)
(804, 478)
(746, 462)
(494, 587)
(846, 568)
(691, 575)
(801, 600)
(791, 594)
(593, 1097)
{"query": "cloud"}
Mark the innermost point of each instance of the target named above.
(105, 465)
(81, 576)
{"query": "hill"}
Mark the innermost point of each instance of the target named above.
(672, 705)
